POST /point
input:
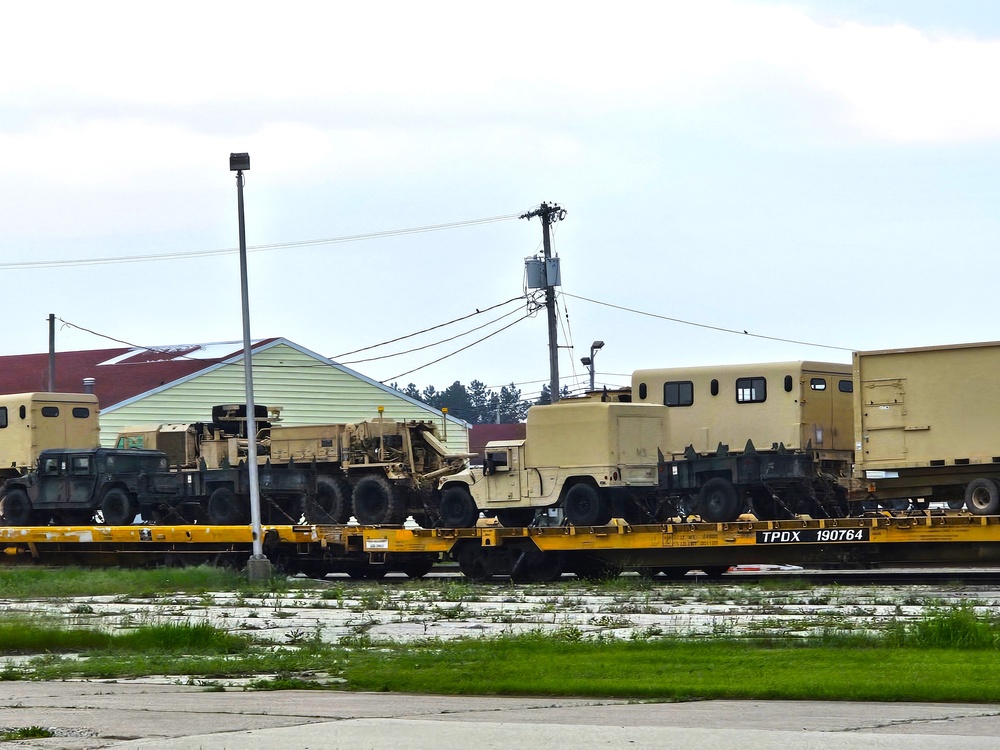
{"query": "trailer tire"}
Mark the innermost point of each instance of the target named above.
(585, 506)
(224, 508)
(375, 502)
(718, 501)
(16, 508)
(117, 508)
(332, 503)
(458, 509)
(982, 497)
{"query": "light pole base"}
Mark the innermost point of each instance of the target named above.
(258, 569)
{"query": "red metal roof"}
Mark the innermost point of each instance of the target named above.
(120, 374)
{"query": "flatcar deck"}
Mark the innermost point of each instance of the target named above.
(532, 553)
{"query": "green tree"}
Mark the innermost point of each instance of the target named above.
(545, 396)
(476, 404)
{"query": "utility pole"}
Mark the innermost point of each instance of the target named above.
(52, 353)
(549, 214)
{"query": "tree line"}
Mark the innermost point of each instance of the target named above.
(476, 403)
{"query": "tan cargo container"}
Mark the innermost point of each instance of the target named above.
(32, 422)
(797, 405)
(927, 424)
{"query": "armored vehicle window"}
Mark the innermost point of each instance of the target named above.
(22, 412)
(50, 466)
(714, 387)
(751, 390)
(3, 417)
(788, 383)
(678, 393)
(81, 412)
(642, 391)
(81, 464)
(50, 411)
(817, 384)
(846, 386)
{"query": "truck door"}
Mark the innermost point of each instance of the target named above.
(50, 487)
(81, 479)
(503, 483)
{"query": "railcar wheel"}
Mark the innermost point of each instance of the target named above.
(375, 502)
(515, 517)
(536, 566)
(474, 562)
(332, 503)
(718, 501)
(584, 506)
(458, 509)
(16, 508)
(117, 508)
(417, 568)
(224, 508)
(982, 497)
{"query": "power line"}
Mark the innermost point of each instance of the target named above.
(704, 325)
(457, 351)
(21, 265)
(434, 343)
(426, 330)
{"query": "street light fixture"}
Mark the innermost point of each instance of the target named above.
(588, 362)
(258, 566)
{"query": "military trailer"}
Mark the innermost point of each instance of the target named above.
(31, 422)
(926, 424)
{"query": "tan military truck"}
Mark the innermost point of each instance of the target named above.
(926, 424)
(32, 422)
(380, 470)
(593, 460)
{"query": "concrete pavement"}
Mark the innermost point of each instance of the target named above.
(91, 715)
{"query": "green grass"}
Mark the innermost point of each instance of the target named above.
(680, 670)
(37, 582)
(25, 733)
(951, 655)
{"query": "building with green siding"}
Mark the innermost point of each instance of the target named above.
(178, 384)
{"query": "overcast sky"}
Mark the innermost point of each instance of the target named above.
(822, 175)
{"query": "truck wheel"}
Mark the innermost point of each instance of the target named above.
(718, 501)
(16, 508)
(458, 509)
(584, 506)
(224, 509)
(982, 497)
(332, 503)
(116, 507)
(375, 502)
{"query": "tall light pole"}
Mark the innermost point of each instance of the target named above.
(258, 566)
(588, 362)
